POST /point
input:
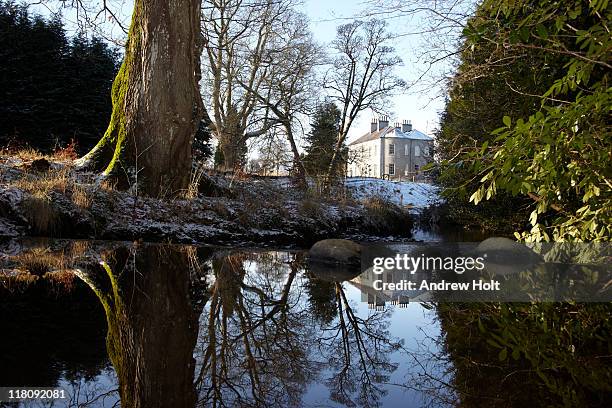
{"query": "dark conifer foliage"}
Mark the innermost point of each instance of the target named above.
(202, 148)
(52, 89)
(322, 139)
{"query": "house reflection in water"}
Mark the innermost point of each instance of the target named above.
(377, 299)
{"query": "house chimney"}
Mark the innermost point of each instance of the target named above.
(397, 125)
(383, 122)
(373, 126)
(406, 126)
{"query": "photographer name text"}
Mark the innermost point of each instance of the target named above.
(437, 286)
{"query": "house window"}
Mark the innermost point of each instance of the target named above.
(391, 169)
(392, 149)
(406, 150)
(417, 151)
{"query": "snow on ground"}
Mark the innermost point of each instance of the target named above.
(404, 193)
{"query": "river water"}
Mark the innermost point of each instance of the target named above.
(139, 325)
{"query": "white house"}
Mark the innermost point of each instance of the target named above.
(394, 152)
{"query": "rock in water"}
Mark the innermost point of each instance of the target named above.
(506, 251)
(336, 251)
(335, 260)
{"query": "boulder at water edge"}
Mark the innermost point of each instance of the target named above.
(335, 259)
(336, 251)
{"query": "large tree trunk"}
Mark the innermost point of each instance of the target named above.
(234, 153)
(156, 100)
(298, 166)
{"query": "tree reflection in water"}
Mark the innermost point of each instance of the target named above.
(254, 342)
(261, 344)
(267, 330)
(152, 324)
(358, 351)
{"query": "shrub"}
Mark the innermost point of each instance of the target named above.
(309, 208)
(385, 216)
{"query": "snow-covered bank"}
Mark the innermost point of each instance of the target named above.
(59, 201)
(403, 193)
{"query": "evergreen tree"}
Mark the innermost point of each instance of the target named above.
(92, 66)
(218, 158)
(52, 90)
(202, 148)
(322, 140)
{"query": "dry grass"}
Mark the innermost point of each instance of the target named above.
(41, 186)
(39, 183)
(81, 197)
(376, 203)
(61, 282)
(17, 283)
(68, 153)
(109, 185)
(78, 248)
(379, 208)
(57, 283)
(39, 261)
(194, 182)
(64, 154)
(384, 215)
(38, 207)
(28, 154)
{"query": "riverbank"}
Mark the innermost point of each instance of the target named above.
(48, 197)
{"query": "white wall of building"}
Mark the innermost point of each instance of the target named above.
(365, 159)
(372, 158)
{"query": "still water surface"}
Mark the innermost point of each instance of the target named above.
(139, 325)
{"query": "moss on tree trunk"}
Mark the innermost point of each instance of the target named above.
(156, 101)
(152, 324)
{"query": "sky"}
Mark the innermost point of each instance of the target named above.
(421, 104)
(420, 107)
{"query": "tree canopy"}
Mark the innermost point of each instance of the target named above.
(551, 142)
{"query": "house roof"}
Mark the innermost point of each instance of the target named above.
(391, 132)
